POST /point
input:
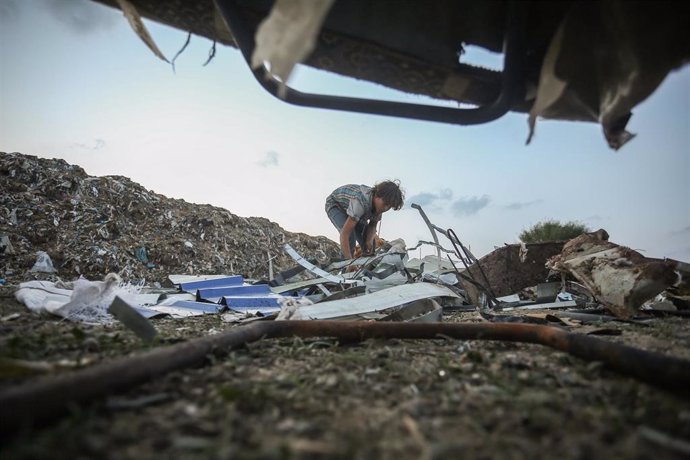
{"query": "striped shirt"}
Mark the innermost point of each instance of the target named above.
(355, 200)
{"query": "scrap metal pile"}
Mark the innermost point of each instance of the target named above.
(93, 226)
(588, 275)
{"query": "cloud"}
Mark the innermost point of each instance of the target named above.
(9, 10)
(270, 159)
(467, 206)
(679, 253)
(82, 17)
(521, 205)
(681, 232)
(425, 199)
(98, 144)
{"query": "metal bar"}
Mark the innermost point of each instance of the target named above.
(39, 401)
(311, 267)
(462, 255)
(470, 279)
(433, 232)
(472, 259)
(543, 306)
(512, 86)
(431, 243)
(465, 256)
(128, 316)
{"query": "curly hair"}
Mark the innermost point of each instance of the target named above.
(391, 193)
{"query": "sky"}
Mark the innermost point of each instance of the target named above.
(76, 83)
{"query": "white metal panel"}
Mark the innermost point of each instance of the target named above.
(377, 301)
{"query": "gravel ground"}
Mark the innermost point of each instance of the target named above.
(378, 399)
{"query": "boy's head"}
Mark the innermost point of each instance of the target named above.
(389, 195)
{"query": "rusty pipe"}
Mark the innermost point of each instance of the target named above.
(40, 401)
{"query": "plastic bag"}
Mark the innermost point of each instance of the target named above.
(43, 263)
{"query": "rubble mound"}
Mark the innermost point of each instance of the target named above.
(91, 226)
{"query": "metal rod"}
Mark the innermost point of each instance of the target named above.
(467, 259)
(512, 88)
(472, 259)
(433, 232)
(37, 402)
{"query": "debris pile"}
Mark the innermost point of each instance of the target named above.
(92, 226)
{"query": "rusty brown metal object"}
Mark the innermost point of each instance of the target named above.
(34, 403)
(508, 273)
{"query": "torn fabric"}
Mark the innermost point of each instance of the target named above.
(139, 28)
(288, 35)
(604, 59)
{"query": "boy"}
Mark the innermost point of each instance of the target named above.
(356, 209)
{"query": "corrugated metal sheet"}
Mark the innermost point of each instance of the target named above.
(241, 290)
(253, 305)
(185, 308)
(269, 300)
(375, 302)
(193, 286)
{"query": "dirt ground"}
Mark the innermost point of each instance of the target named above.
(379, 399)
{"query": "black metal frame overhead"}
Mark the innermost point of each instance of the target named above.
(512, 88)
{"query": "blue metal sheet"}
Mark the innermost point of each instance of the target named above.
(199, 306)
(193, 286)
(233, 291)
(262, 310)
(217, 300)
(252, 302)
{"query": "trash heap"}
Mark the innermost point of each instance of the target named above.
(92, 226)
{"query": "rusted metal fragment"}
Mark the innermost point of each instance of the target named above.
(511, 268)
(620, 278)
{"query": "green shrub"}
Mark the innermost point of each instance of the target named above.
(552, 230)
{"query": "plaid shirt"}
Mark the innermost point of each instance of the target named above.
(355, 200)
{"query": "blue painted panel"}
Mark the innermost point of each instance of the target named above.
(233, 291)
(148, 313)
(192, 286)
(250, 302)
(199, 306)
(264, 311)
(261, 311)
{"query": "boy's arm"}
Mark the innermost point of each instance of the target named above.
(345, 232)
(369, 235)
